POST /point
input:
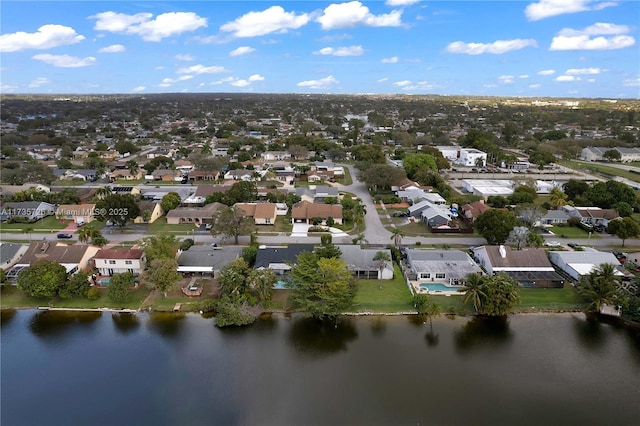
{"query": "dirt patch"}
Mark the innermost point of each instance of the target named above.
(394, 206)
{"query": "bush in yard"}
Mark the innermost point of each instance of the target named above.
(93, 293)
(572, 221)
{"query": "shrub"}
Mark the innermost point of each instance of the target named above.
(93, 293)
(418, 243)
(573, 221)
(232, 314)
(208, 305)
(186, 244)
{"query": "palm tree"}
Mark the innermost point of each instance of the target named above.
(28, 230)
(396, 236)
(88, 232)
(381, 258)
(557, 197)
(360, 239)
(103, 192)
(598, 289)
(473, 290)
(132, 165)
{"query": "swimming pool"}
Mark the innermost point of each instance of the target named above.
(436, 287)
(280, 285)
(104, 281)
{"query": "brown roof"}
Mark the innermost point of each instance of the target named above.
(147, 205)
(75, 209)
(476, 208)
(599, 214)
(307, 210)
(530, 257)
(206, 190)
(259, 210)
(119, 254)
(57, 252)
(195, 212)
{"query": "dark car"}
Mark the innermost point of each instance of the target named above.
(573, 245)
(63, 235)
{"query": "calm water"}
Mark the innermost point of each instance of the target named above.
(107, 369)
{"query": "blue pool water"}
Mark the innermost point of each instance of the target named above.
(280, 285)
(438, 287)
(104, 281)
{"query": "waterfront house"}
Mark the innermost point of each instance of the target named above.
(74, 257)
(580, 263)
(449, 267)
(360, 262)
(280, 259)
(118, 261)
(206, 259)
(10, 253)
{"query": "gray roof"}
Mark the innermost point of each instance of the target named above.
(268, 255)
(8, 251)
(358, 258)
(418, 207)
(207, 255)
(455, 263)
(587, 257)
(556, 214)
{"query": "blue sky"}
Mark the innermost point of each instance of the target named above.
(563, 48)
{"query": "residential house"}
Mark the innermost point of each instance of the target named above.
(125, 190)
(27, 211)
(167, 175)
(471, 211)
(10, 254)
(200, 175)
(185, 166)
(327, 166)
(89, 175)
(125, 174)
(275, 155)
(206, 259)
(240, 174)
(199, 197)
(449, 267)
(305, 212)
(360, 262)
(220, 151)
(280, 259)
(262, 213)
(162, 152)
(154, 210)
(74, 257)
(320, 176)
(579, 263)
(317, 194)
(118, 261)
(592, 216)
(79, 213)
(553, 217)
(8, 191)
(416, 210)
(193, 215)
(436, 216)
(530, 267)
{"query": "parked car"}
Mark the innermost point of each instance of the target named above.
(63, 235)
(208, 226)
(552, 244)
(573, 245)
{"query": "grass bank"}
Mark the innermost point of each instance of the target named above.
(394, 296)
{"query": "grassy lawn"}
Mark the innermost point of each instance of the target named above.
(346, 180)
(161, 225)
(549, 299)
(137, 297)
(283, 224)
(48, 224)
(394, 296)
(11, 297)
(606, 170)
(572, 232)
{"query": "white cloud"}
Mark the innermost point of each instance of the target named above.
(256, 77)
(497, 47)
(334, 38)
(523, 76)
(163, 26)
(567, 78)
(535, 86)
(201, 69)
(8, 87)
(40, 81)
(341, 51)
(546, 72)
(322, 83)
(242, 50)
(382, 80)
(591, 80)
(584, 71)
(402, 83)
(240, 83)
(354, 13)
(114, 48)
(65, 61)
(271, 20)
(631, 82)
(391, 60)
(417, 86)
(394, 3)
(506, 79)
(185, 58)
(607, 37)
(138, 89)
(46, 37)
(548, 8)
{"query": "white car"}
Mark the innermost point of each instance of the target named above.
(552, 244)
(208, 227)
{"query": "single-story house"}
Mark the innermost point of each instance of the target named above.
(7, 191)
(594, 216)
(166, 175)
(320, 176)
(279, 259)
(530, 266)
(118, 261)
(125, 174)
(74, 257)
(262, 213)
(240, 174)
(579, 263)
(154, 209)
(449, 267)
(10, 253)
(553, 217)
(471, 211)
(206, 259)
(360, 262)
(198, 175)
(125, 190)
(316, 194)
(305, 212)
(199, 197)
(79, 213)
(275, 155)
(436, 216)
(193, 215)
(29, 211)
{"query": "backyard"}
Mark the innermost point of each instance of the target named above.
(394, 296)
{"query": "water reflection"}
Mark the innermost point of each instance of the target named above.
(58, 323)
(590, 332)
(378, 326)
(313, 337)
(418, 320)
(488, 332)
(167, 324)
(6, 316)
(125, 322)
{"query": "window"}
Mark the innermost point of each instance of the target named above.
(425, 275)
(267, 220)
(112, 262)
(128, 262)
(440, 275)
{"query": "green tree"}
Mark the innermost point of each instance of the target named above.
(133, 167)
(501, 295)
(599, 287)
(612, 155)
(381, 176)
(624, 228)
(321, 287)
(117, 208)
(120, 287)
(574, 188)
(43, 278)
(381, 259)
(233, 280)
(473, 289)
(241, 192)
(231, 222)
(170, 201)
(495, 225)
(328, 251)
(230, 313)
(396, 235)
(163, 275)
(76, 286)
(163, 246)
(623, 209)
(88, 233)
(413, 162)
(261, 281)
(557, 198)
